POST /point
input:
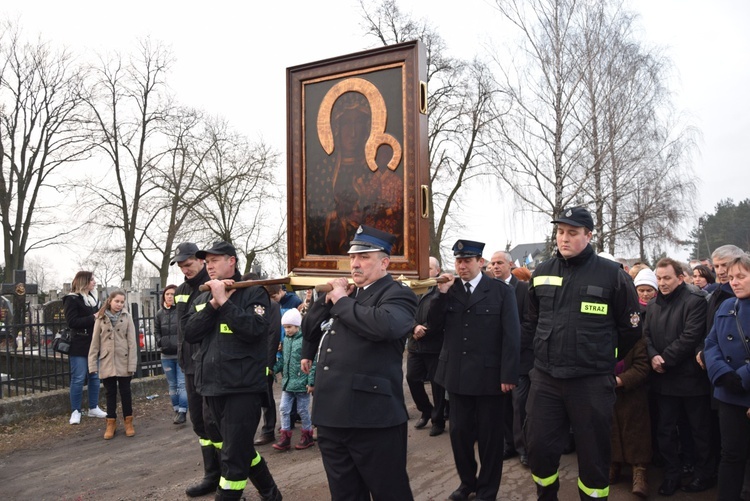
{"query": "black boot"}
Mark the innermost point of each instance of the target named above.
(262, 480)
(212, 472)
(227, 495)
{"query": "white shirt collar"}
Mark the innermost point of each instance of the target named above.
(474, 282)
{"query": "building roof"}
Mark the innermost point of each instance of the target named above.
(520, 252)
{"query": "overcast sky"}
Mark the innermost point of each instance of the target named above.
(231, 59)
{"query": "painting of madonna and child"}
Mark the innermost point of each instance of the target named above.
(359, 164)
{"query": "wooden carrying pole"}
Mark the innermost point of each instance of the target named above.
(251, 283)
(296, 282)
(414, 284)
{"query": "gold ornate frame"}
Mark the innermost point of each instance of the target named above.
(377, 95)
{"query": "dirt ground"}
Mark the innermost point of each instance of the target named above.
(52, 460)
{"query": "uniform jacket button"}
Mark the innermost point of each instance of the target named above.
(729, 359)
(325, 368)
(730, 337)
(328, 350)
(333, 332)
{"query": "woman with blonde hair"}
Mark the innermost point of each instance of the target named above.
(80, 308)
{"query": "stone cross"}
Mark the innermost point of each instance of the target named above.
(19, 289)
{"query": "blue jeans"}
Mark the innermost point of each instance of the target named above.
(176, 380)
(303, 409)
(79, 369)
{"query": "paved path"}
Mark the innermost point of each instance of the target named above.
(56, 461)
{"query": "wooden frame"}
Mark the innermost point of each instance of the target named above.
(357, 154)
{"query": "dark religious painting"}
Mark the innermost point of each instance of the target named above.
(357, 154)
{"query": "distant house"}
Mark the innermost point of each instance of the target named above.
(529, 255)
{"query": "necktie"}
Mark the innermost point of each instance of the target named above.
(468, 290)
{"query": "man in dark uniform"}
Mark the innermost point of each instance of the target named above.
(230, 366)
(478, 364)
(209, 438)
(515, 413)
(583, 309)
(359, 399)
(423, 348)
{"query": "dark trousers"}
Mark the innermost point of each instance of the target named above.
(474, 419)
(421, 367)
(269, 410)
(698, 412)
(735, 444)
(507, 417)
(238, 416)
(553, 406)
(110, 385)
(364, 462)
(203, 425)
(520, 395)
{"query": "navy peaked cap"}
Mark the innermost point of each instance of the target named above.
(369, 239)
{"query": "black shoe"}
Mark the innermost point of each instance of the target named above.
(687, 470)
(700, 484)
(179, 418)
(460, 494)
(524, 460)
(669, 486)
(436, 430)
(264, 439)
(422, 422)
(509, 452)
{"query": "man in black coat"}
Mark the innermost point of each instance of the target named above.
(421, 363)
(359, 404)
(478, 364)
(515, 404)
(675, 326)
(209, 437)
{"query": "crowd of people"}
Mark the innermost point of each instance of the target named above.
(629, 366)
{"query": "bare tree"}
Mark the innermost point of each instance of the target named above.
(623, 118)
(461, 107)
(240, 199)
(540, 150)
(106, 265)
(129, 102)
(40, 271)
(178, 188)
(661, 200)
(41, 131)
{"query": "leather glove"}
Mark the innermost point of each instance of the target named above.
(732, 382)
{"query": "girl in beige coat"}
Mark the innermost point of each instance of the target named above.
(113, 346)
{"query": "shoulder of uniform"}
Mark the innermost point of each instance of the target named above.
(503, 282)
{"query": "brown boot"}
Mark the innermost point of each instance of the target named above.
(285, 441)
(129, 430)
(640, 487)
(110, 431)
(614, 473)
(306, 440)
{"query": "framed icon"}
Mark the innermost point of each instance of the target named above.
(357, 154)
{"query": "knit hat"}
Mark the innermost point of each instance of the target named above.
(291, 317)
(646, 277)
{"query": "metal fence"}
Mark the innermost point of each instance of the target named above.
(29, 365)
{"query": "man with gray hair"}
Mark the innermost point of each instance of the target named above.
(515, 406)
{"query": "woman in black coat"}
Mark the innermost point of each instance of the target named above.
(80, 308)
(165, 327)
